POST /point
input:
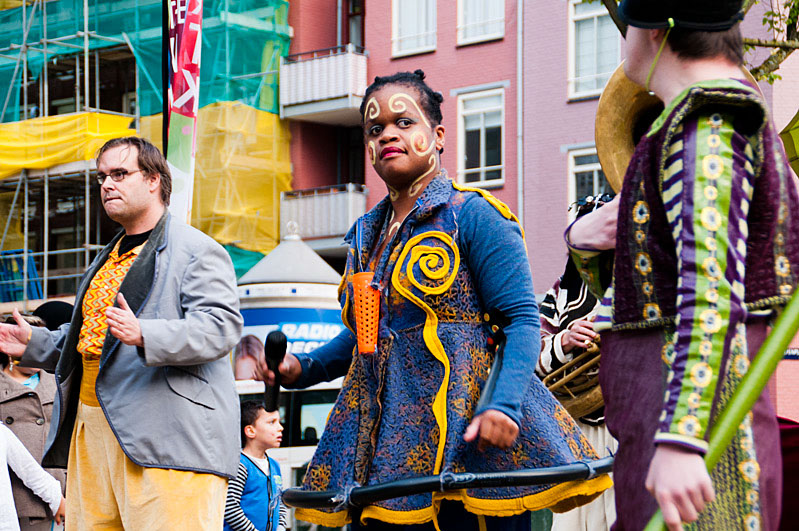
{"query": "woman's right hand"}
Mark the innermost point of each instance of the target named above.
(580, 334)
(290, 370)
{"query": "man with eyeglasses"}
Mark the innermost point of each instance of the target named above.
(146, 418)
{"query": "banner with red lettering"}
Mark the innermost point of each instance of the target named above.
(182, 99)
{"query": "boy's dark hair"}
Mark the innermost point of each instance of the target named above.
(695, 44)
(249, 414)
(151, 161)
(430, 99)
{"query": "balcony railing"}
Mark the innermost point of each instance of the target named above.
(322, 216)
(323, 86)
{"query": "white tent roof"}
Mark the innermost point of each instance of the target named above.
(291, 261)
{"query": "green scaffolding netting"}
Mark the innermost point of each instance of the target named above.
(241, 39)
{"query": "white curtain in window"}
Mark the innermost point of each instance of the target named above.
(584, 54)
(482, 18)
(596, 52)
(607, 56)
(416, 24)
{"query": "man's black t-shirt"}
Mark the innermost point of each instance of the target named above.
(131, 241)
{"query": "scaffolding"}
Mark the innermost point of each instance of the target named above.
(98, 62)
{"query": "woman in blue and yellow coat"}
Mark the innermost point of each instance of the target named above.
(443, 257)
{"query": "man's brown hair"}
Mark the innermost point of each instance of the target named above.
(150, 161)
(695, 44)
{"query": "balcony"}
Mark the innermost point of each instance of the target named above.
(322, 216)
(323, 86)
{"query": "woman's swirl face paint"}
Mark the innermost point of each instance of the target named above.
(400, 140)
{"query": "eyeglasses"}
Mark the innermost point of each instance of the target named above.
(116, 175)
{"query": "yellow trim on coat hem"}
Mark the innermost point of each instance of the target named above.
(315, 516)
(560, 498)
(418, 516)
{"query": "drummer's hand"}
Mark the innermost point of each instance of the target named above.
(580, 334)
(680, 483)
(494, 428)
(597, 230)
(290, 370)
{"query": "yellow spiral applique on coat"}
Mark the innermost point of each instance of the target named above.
(438, 266)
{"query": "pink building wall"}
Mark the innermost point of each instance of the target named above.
(313, 155)
(551, 124)
(449, 67)
(313, 146)
(314, 24)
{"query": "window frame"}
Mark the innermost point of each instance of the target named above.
(459, 30)
(395, 37)
(574, 168)
(461, 169)
(573, 93)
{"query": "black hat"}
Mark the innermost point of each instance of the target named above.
(702, 15)
(54, 313)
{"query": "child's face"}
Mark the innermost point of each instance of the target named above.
(401, 142)
(267, 429)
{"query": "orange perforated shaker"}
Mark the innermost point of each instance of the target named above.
(367, 311)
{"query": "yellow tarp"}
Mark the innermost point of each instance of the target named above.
(242, 165)
(14, 238)
(41, 143)
(11, 4)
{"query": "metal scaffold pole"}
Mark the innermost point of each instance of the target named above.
(87, 214)
(25, 241)
(86, 56)
(45, 104)
(24, 52)
(45, 265)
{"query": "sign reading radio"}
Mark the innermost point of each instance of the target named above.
(306, 337)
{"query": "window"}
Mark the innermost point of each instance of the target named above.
(594, 48)
(481, 158)
(586, 176)
(355, 18)
(480, 20)
(414, 27)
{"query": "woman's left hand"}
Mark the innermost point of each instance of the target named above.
(494, 428)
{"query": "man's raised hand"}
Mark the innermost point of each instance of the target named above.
(14, 337)
(122, 323)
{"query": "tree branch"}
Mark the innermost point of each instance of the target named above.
(788, 45)
(771, 64)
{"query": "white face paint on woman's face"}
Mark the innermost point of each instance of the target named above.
(401, 142)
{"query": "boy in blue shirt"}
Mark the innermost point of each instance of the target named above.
(253, 497)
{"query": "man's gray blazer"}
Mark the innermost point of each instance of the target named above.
(173, 403)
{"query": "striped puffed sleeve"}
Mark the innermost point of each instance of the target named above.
(707, 185)
(552, 355)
